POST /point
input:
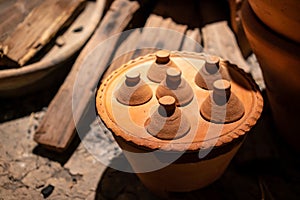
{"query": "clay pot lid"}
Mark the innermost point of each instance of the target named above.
(130, 122)
(211, 72)
(176, 86)
(157, 71)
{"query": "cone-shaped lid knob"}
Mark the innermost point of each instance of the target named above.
(212, 64)
(174, 85)
(210, 72)
(167, 122)
(133, 91)
(132, 78)
(167, 106)
(221, 91)
(222, 106)
(157, 70)
(162, 57)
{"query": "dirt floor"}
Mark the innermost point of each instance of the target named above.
(264, 167)
(25, 173)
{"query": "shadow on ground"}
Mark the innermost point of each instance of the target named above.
(264, 168)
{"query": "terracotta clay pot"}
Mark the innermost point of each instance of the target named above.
(282, 16)
(174, 148)
(280, 62)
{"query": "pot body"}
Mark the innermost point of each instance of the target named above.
(282, 16)
(183, 176)
(279, 59)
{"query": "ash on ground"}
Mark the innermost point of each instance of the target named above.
(100, 143)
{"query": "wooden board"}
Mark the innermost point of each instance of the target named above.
(37, 29)
(192, 41)
(13, 12)
(219, 40)
(159, 33)
(52, 68)
(57, 127)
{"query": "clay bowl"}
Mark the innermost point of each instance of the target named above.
(172, 156)
(280, 63)
(282, 16)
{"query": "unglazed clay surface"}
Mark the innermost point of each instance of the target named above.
(159, 66)
(280, 61)
(222, 105)
(133, 90)
(128, 122)
(161, 129)
(167, 121)
(176, 86)
(282, 16)
(210, 72)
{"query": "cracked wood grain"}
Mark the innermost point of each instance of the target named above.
(37, 29)
(57, 127)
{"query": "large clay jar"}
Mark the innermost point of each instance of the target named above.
(179, 148)
(282, 16)
(279, 59)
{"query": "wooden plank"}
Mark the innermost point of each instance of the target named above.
(219, 40)
(82, 27)
(13, 12)
(38, 28)
(256, 72)
(57, 127)
(159, 33)
(192, 41)
(124, 52)
(52, 68)
(165, 33)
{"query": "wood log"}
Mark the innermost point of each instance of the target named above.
(37, 29)
(58, 127)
